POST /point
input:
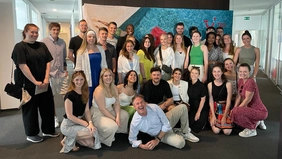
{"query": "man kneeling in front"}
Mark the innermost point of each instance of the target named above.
(150, 119)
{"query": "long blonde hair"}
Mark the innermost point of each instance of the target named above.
(84, 43)
(84, 88)
(112, 84)
(182, 43)
(231, 48)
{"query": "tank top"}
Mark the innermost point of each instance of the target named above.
(219, 93)
(124, 99)
(175, 93)
(196, 55)
(247, 55)
(109, 102)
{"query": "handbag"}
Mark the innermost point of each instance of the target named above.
(165, 68)
(17, 92)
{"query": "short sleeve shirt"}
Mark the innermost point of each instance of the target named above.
(74, 45)
(35, 56)
(78, 107)
(155, 94)
(195, 92)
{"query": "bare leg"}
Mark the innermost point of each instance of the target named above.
(215, 130)
(85, 139)
(227, 131)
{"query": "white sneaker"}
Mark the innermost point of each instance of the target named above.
(262, 125)
(248, 133)
(57, 124)
(190, 137)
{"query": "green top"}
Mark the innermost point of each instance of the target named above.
(196, 56)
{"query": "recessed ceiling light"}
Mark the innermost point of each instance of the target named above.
(55, 10)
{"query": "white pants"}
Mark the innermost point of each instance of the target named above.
(108, 127)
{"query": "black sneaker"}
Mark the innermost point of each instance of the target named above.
(34, 139)
(55, 134)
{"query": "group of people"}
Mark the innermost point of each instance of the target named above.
(121, 86)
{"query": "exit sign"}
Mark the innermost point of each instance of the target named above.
(246, 18)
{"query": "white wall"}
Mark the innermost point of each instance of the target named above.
(241, 24)
(7, 41)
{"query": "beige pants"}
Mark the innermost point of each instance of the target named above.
(180, 112)
(108, 127)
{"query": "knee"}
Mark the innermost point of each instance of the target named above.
(124, 115)
(112, 128)
(227, 131)
(179, 143)
(109, 128)
(215, 130)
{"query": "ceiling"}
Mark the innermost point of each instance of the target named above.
(65, 8)
(251, 7)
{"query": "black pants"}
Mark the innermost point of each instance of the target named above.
(198, 125)
(43, 102)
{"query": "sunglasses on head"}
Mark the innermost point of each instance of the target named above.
(80, 71)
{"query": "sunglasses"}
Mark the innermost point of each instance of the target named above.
(241, 88)
(196, 67)
(80, 71)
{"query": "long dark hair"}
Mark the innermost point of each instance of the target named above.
(125, 80)
(214, 43)
(149, 54)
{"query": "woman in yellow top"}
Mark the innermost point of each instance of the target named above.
(146, 59)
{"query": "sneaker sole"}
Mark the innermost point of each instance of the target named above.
(49, 135)
(248, 136)
(192, 140)
(34, 140)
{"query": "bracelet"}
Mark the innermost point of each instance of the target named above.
(158, 138)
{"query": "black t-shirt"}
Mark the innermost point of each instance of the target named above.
(35, 56)
(155, 94)
(78, 108)
(110, 54)
(195, 92)
(187, 41)
(74, 45)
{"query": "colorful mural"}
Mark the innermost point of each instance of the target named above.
(158, 20)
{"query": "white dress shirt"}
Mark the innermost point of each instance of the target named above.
(153, 123)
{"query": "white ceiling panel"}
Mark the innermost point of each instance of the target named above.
(65, 7)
